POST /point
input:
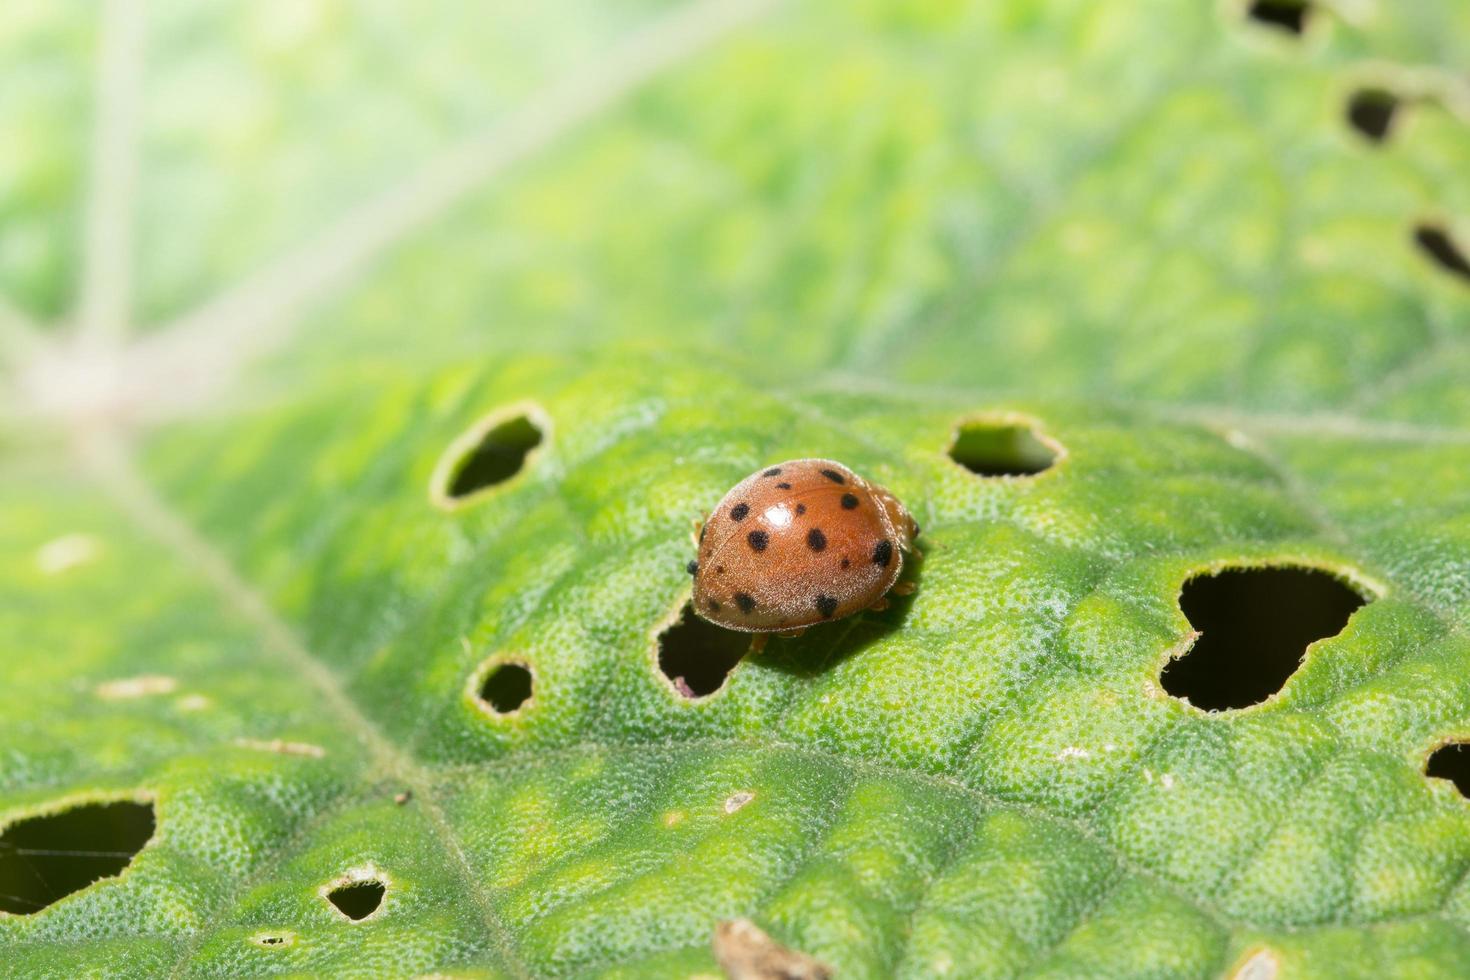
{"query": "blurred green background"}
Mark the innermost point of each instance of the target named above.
(1166, 202)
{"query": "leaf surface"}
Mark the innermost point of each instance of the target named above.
(840, 230)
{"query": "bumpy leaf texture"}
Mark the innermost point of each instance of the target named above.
(268, 268)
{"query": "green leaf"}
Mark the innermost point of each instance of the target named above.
(300, 258)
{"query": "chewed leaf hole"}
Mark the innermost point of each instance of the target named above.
(1371, 112)
(46, 858)
(358, 899)
(1451, 762)
(1285, 15)
(1255, 625)
(1439, 246)
(1002, 449)
(498, 457)
(490, 453)
(697, 655)
(506, 687)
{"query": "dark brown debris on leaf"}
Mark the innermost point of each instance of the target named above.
(746, 953)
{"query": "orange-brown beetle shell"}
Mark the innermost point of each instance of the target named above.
(799, 543)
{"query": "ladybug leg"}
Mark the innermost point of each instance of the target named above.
(903, 588)
(791, 634)
(758, 642)
(880, 605)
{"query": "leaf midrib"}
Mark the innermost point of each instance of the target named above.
(114, 472)
(121, 480)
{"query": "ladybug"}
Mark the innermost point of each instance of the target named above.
(799, 543)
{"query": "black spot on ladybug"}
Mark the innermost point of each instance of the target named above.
(783, 485)
(738, 512)
(692, 568)
(773, 471)
(815, 539)
(712, 605)
(834, 476)
(719, 569)
(826, 605)
(800, 509)
(758, 540)
(849, 501)
(845, 563)
(744, 601)
(883, 552)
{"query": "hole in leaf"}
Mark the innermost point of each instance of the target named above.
(358, 899)
(1255, 625)
(46, 858)
(1451, 762)
(1285, 15)
(697, 656)
(1442, 249)
(1001, 449)
(488, 454)
(1371, 112)
(506, 687)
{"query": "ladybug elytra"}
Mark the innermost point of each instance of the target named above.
(797, 544)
